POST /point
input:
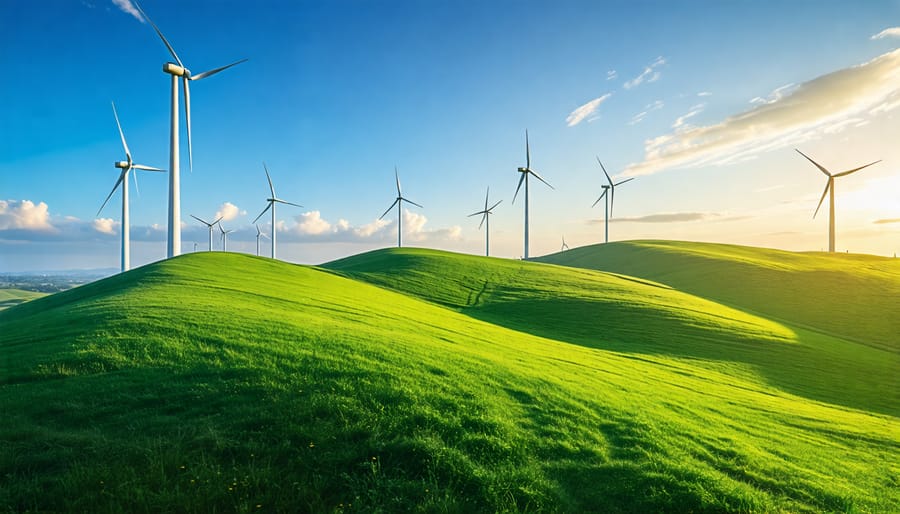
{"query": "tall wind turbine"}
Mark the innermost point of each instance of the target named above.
(209, 226)
(178, 70)
(272, 201)
(524, 178)
(611, 190)
(126, 166)
(399, 203)
(224, 236)
(258, 235)
(486, 218)
(829, 189)
(564, 246)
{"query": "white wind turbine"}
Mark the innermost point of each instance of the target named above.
(564, 246)
(399, 203)
(272, 201)
(224, 236)
(258, 235)
(524, 178)
(609, 191)
(126, 166)
(829, 190)
(209, 226)
(178, 70)
(486, 218)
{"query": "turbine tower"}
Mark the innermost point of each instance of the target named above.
(209, 226)
(224, 236)
(399, 203)
(829, 190)
(126, 166)
(486, 218)
(258, 235)
(272, 201)
(611, 190)
(176, 71)
(524, 178)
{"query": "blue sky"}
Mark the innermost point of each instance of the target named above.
(703, 102)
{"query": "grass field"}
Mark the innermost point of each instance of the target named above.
(10, 297)
(416, 380)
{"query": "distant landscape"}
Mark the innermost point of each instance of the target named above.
(643, 376)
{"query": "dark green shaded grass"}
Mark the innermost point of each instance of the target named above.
(221, 382)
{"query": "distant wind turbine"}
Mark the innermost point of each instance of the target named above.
(209, 226)
(272, 201)
(178, 70)
(399, 203)
(258, 235)
(486, 218)
(524, 178)
(611, 189)
(224, 237)
(829, 190)
(564, 245)
(126, 166)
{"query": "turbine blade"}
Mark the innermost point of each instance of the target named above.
(521, 179)
(121, 176)
(389, 208)
(412, 202)
(826, 172)
(200, 220)
(187, 118)
(605, 173)
(486, 197)
(827, 186)
(527, 151)
(145, 168)
(271, 187)
(482, 220)
(263, 212)
(397, 176)
(492, 206)
(854, 170)
(624, 181)
(218, 220)
(540, 178)
(475, 214)
(288, 203)
(217, 70)
(161, 36)
(121, 134)
(601, 197)
(612, 198)
(134, 176)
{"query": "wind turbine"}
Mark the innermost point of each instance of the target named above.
(829, 189)
(486, 218)
(611, 189)
(564, 245)
(524, 178)
(178, 70)
(272, 201)
(210, 226)
(399, 203)
(126, 166)
(224, 236)
(258, 235)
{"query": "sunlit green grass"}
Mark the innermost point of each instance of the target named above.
(12, 296)
(226, 382)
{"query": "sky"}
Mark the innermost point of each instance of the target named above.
(702, 102)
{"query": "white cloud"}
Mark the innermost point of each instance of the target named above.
(579, 114)
(680, 121)
(785, 118)
(639, 117)
(105, 225)
(24, 214)
(704, 93)
(890, 32)
(127, 7)
(612, 75)
(775, 95)
(312, 223)
(648, 75)
(228, 211)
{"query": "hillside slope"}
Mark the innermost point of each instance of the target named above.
(226, 382)
(848, 295)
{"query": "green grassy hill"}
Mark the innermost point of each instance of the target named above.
(412, 380)
(10, 297)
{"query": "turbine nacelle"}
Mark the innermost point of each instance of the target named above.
(179, 71)
(122, 165)
(523, 170)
